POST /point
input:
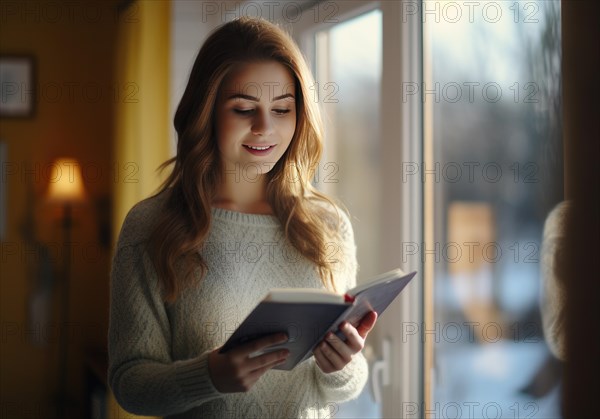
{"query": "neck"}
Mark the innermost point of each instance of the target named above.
(239, 193)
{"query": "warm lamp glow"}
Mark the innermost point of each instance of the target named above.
(66, 182)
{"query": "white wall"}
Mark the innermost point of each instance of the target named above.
(191, 23)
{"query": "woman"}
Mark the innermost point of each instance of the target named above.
(236, 217)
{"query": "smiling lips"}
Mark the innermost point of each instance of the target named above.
(259, 150)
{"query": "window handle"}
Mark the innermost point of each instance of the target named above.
(381, 371)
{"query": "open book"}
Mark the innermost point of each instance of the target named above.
(307, 315)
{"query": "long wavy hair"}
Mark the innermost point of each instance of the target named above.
(184, 223)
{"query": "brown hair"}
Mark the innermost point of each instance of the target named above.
(185, 221)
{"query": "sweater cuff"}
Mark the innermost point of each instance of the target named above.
(194, 380)
(347, 383)
(337, 378)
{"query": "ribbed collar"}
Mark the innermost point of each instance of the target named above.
(245, 218)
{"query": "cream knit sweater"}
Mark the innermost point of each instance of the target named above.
(158, 353)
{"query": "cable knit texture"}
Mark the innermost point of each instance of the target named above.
(158, 353)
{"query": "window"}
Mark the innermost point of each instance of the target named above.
(348, 85)
(444, 141)
(348, 82)
(357, 61)
(493, 123)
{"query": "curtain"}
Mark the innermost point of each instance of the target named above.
(142, 120)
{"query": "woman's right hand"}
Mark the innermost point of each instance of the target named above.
(234, 371)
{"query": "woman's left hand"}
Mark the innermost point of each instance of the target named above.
(333, 354)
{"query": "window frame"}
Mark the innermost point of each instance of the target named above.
(402, 122)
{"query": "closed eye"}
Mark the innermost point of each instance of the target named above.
(243, 111)
(281, 111)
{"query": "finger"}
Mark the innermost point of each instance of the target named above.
(248, 381)
(261, 343)
(322, 361)
(354, 341)
(345, 349)
(258, 372)
(366, 324)
(332, 356)
(271, 358)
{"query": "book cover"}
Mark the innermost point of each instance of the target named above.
(306, 315)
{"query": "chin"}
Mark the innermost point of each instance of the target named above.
(251, 170)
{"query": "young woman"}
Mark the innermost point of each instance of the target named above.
(236, 217)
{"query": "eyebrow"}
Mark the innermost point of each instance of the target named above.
(255, 99)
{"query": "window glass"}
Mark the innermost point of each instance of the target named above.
(348, 86)
(494, 97)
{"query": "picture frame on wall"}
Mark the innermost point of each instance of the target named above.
(17, 78)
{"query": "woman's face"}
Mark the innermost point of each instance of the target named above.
(255, 117)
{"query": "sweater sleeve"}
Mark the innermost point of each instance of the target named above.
(552, 298)
(142, 374)
(347, 383)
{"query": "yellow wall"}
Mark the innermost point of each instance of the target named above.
(73, 44)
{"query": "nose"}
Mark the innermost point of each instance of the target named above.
(262, 124)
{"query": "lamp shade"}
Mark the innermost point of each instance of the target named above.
(66, 182)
